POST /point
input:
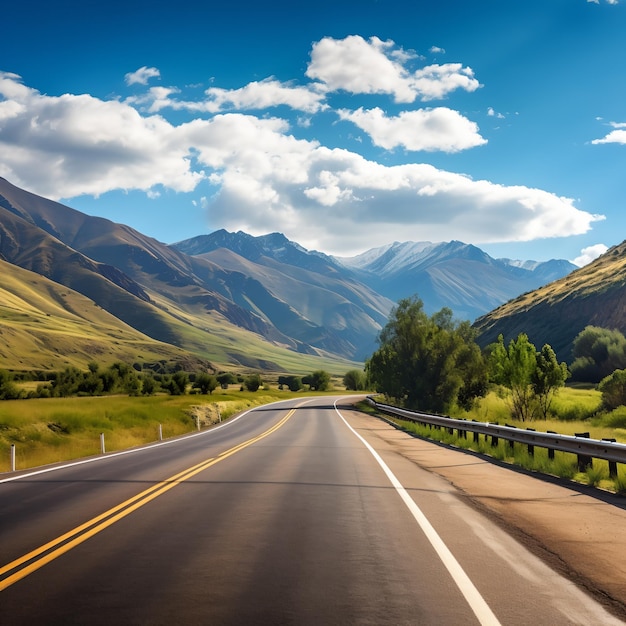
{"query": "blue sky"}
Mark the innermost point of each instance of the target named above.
(346, 125)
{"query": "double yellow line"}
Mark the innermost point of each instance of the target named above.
(34, 560)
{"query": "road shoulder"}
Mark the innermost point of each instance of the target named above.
(577, 530)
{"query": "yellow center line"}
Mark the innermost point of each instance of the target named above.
(53, 549)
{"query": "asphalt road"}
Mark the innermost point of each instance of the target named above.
(281, 516)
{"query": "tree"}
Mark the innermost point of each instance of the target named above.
(176, 384)
(532, 377)
(613, 390)
(253, 382)
(294, 383)
(318, 380)
(225, 379)
(8, 389)
(547, 378)
(148, 384)
(597, 353)
(205, 382)
(426, 362)
(354, 380)
(513, 368)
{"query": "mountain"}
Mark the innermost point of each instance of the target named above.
(557, 312)
(183, 300)
(453, 274)
(316, 299)
(254, 302)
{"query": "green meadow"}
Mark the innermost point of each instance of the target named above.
(51, 430)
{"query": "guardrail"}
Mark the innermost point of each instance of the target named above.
(581, 445)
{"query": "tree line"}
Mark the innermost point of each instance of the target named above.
(433, 363)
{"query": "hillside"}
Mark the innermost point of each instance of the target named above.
(47, 326)
(315, 299)
(556, 313)
(171, 297)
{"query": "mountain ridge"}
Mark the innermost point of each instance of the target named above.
(205, 290)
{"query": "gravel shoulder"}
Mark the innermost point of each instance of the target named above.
(578, 530)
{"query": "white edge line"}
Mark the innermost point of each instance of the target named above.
(477, 603)
(133, 450)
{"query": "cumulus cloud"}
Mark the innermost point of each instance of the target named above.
(425, 129)
(262, 176)
(372, 67)
(264, 94)
(618, 135)
(333, 199)
(142, 76)
(589, 254)
(69, 145)
(256, 95)
(437, 50)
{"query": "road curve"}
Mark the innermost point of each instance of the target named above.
(284, 515)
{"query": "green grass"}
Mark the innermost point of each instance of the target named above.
(50, 430)
(570, 402)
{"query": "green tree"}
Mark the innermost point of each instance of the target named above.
(431, 363)
(318, 380)
(206, 383)
(597, 353)
(355, 380)
(548, 377)
(513, 368)
(148, 384)
(532, 377)
(293, 383)
(176, 383)
(225, 379)
(8, 389)
(253, 382)
(613, 389)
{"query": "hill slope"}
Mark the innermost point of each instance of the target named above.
(47, 326)
(316, 300)
(556, 313)
(186, 301)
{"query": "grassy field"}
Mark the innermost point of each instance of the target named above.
(49, 430)
(578, 410)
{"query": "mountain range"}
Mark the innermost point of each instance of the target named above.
(231, 298)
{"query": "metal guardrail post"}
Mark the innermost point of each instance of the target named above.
(584, 460)
(511, 442)
(531, 448)
(612, 464)
(475, 434)
(551, 450)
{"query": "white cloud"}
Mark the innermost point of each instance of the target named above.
(257, 95)
(264, 177)
(88, 146)
(264, 94)
(492, 113)
(437, 50)
(615, 136)
(335, 200)
(372, 67)
(589, 254)
(607, 1)
(142, 75)
(425, 129)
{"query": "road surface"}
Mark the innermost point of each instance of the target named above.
(284, 515)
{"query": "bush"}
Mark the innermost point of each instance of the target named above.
(253, 382)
